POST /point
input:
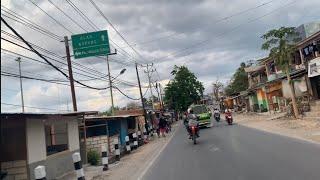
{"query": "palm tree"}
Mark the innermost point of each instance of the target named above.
(281, 44)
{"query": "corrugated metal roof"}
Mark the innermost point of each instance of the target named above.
(111, 117)
(50, 113)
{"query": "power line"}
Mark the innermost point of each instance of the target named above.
(32, 107)
(224, 33)
(104, 75)
(28, 23)
(109, 22)
(126, 94)
(51, 53)
(53, 81)
(41, 56)
(86, 18)
(215, 22)
(60, 24)
(75, 22)
(43, 63)
(93, 26)
(15, 90)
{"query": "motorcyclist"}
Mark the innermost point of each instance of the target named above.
(227, 112)
(192, 121)
(216, 111)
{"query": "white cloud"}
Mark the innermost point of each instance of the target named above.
(142, 21)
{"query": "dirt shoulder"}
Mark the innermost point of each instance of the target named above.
(308, 130)
(132, 166)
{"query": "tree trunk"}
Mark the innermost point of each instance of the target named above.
(292, 94)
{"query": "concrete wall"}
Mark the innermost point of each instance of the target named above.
(95, 143)
(73, 134)
(56, 164)
(300, 87)
(262, 99)
(17, 170)
(36, 142)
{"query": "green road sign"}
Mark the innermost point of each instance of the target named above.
(90, 44)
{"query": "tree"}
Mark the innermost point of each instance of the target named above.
(216, 89)
(109, 111)
(239, 81)
(148, 102)
(183, 90)
(281, 44)
(133, 105)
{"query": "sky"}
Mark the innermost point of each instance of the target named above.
(210, 37)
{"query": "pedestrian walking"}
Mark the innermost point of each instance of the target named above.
(162, 124)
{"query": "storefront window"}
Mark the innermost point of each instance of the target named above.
(56, 137)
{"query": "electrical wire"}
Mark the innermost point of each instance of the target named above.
(42, 57)
(223, 33)
(53, 81)
(109, 22)
(125, 94)
(51, 53)
(212, 23)
(55, 20)
(34, 27)
(86, 18)
(32, 107)
(91, 24)
(71, 19)
(98, 78)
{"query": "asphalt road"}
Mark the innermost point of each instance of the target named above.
(236, 153)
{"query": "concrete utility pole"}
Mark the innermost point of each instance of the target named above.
(148, 72)
(161, 96)
(141, 96)
(21, 90)
(110, 81)
(73, 94)
(110, 86)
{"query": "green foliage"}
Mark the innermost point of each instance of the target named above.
(148, 102)
(239, 81)
(280, 42)
(183, 90)
(109, 112)
(93, 157)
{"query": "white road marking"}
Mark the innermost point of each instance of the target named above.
(156, 156)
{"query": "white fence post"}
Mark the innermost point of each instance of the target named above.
(78, 165)
(40, 173)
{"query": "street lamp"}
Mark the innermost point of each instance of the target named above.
(111, 80)
(121, 72)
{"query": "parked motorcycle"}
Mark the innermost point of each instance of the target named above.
(229, 118)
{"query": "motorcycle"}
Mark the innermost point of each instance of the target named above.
(229, 118)
(216, 116)
(194, 133)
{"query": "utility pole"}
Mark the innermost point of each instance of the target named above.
(141, 96)
(161, 96)
(73, 94)
(110, 81)
(110, 86)
(21, 90)
(149, 79)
